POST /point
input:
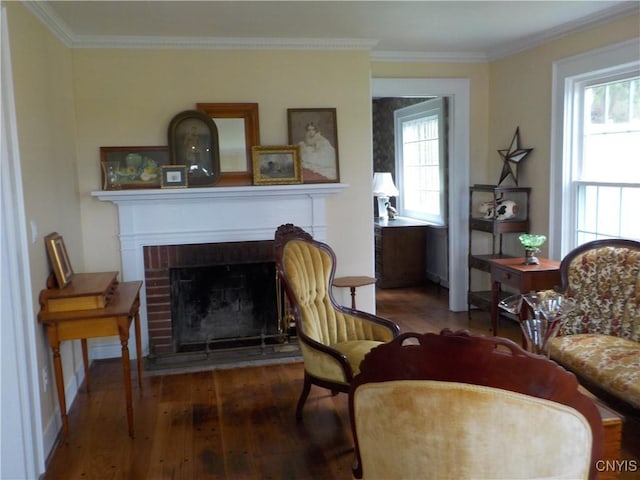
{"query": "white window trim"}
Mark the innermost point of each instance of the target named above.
(567, 73)
(436, 106)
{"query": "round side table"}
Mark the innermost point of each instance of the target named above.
(352, 283)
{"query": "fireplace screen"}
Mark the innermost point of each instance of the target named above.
(224, 306)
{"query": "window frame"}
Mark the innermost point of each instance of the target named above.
(569, 75)
(428, 108)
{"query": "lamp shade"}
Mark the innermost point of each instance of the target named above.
(383, 185)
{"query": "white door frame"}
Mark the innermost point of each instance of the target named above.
(457, 90)
(21, 449)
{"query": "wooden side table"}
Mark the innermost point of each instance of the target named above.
(524, 278)
(353, 283)
(113, 319)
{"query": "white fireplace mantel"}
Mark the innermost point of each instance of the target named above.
(209, 215)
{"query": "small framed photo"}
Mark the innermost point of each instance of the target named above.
(125, 168)
(316, 132)
(175, 176)
(276, 165)
(193, 142)
(59, 259)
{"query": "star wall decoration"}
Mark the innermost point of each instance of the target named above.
(511, 158)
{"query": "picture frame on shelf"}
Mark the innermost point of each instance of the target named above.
(193, 142)
(175, 176)
(59, 259)
(126, 168)
(238, 127)
(276, 165)
(315, 130)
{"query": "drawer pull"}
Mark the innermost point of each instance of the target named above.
(506, 276)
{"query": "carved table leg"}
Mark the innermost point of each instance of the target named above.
(136, 323)
(57, 366)
(123, 328)
(85, 361)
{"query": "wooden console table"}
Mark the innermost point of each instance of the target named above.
(524, 278)
(93, 305)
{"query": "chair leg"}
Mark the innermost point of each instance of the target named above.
(303, 397)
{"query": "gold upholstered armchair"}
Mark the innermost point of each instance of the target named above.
(600, 340)
(333, 338)
(460, 406)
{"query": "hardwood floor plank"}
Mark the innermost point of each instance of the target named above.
(208, 452)
(230, 424)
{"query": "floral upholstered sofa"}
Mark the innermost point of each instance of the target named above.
(600, 340)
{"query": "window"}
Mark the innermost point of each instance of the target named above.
(607, 174)
(421, 161)
(595, 177)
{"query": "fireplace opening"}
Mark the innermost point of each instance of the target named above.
(215, 304)
(224, 306)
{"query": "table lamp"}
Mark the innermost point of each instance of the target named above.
(383, 188)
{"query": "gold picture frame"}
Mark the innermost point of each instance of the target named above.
(276, 164)
(59, 259)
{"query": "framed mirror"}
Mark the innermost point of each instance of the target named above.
(238, 130)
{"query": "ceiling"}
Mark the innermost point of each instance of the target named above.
(463, 30)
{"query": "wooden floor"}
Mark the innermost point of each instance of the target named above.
(238, 423)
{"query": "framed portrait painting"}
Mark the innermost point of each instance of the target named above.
(276, 165)
(193, 142)
(315, 130)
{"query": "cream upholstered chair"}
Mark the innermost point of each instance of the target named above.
(333, 338)
(462, 406)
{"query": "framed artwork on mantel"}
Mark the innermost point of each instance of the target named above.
(125, 168)
(276, 165)
(193, 141)
(315, 130)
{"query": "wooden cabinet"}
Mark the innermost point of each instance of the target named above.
(400, 247)
(494, 211)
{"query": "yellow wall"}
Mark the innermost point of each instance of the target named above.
(520, 95)
(128, 97)
(46, 134)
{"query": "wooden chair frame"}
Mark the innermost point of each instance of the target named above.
(475, 359)
(284, 234)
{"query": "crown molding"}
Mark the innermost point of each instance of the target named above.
(428, 57)
(61, 30)
(222, 43)
(51, 20)
(618, 11)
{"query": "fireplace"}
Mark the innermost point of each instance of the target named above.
(212, 296)
(153, 223)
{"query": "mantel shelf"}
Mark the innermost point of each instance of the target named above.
(177, 194)
(180, 216)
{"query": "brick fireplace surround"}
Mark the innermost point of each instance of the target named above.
(165, 217)
(158, 262)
